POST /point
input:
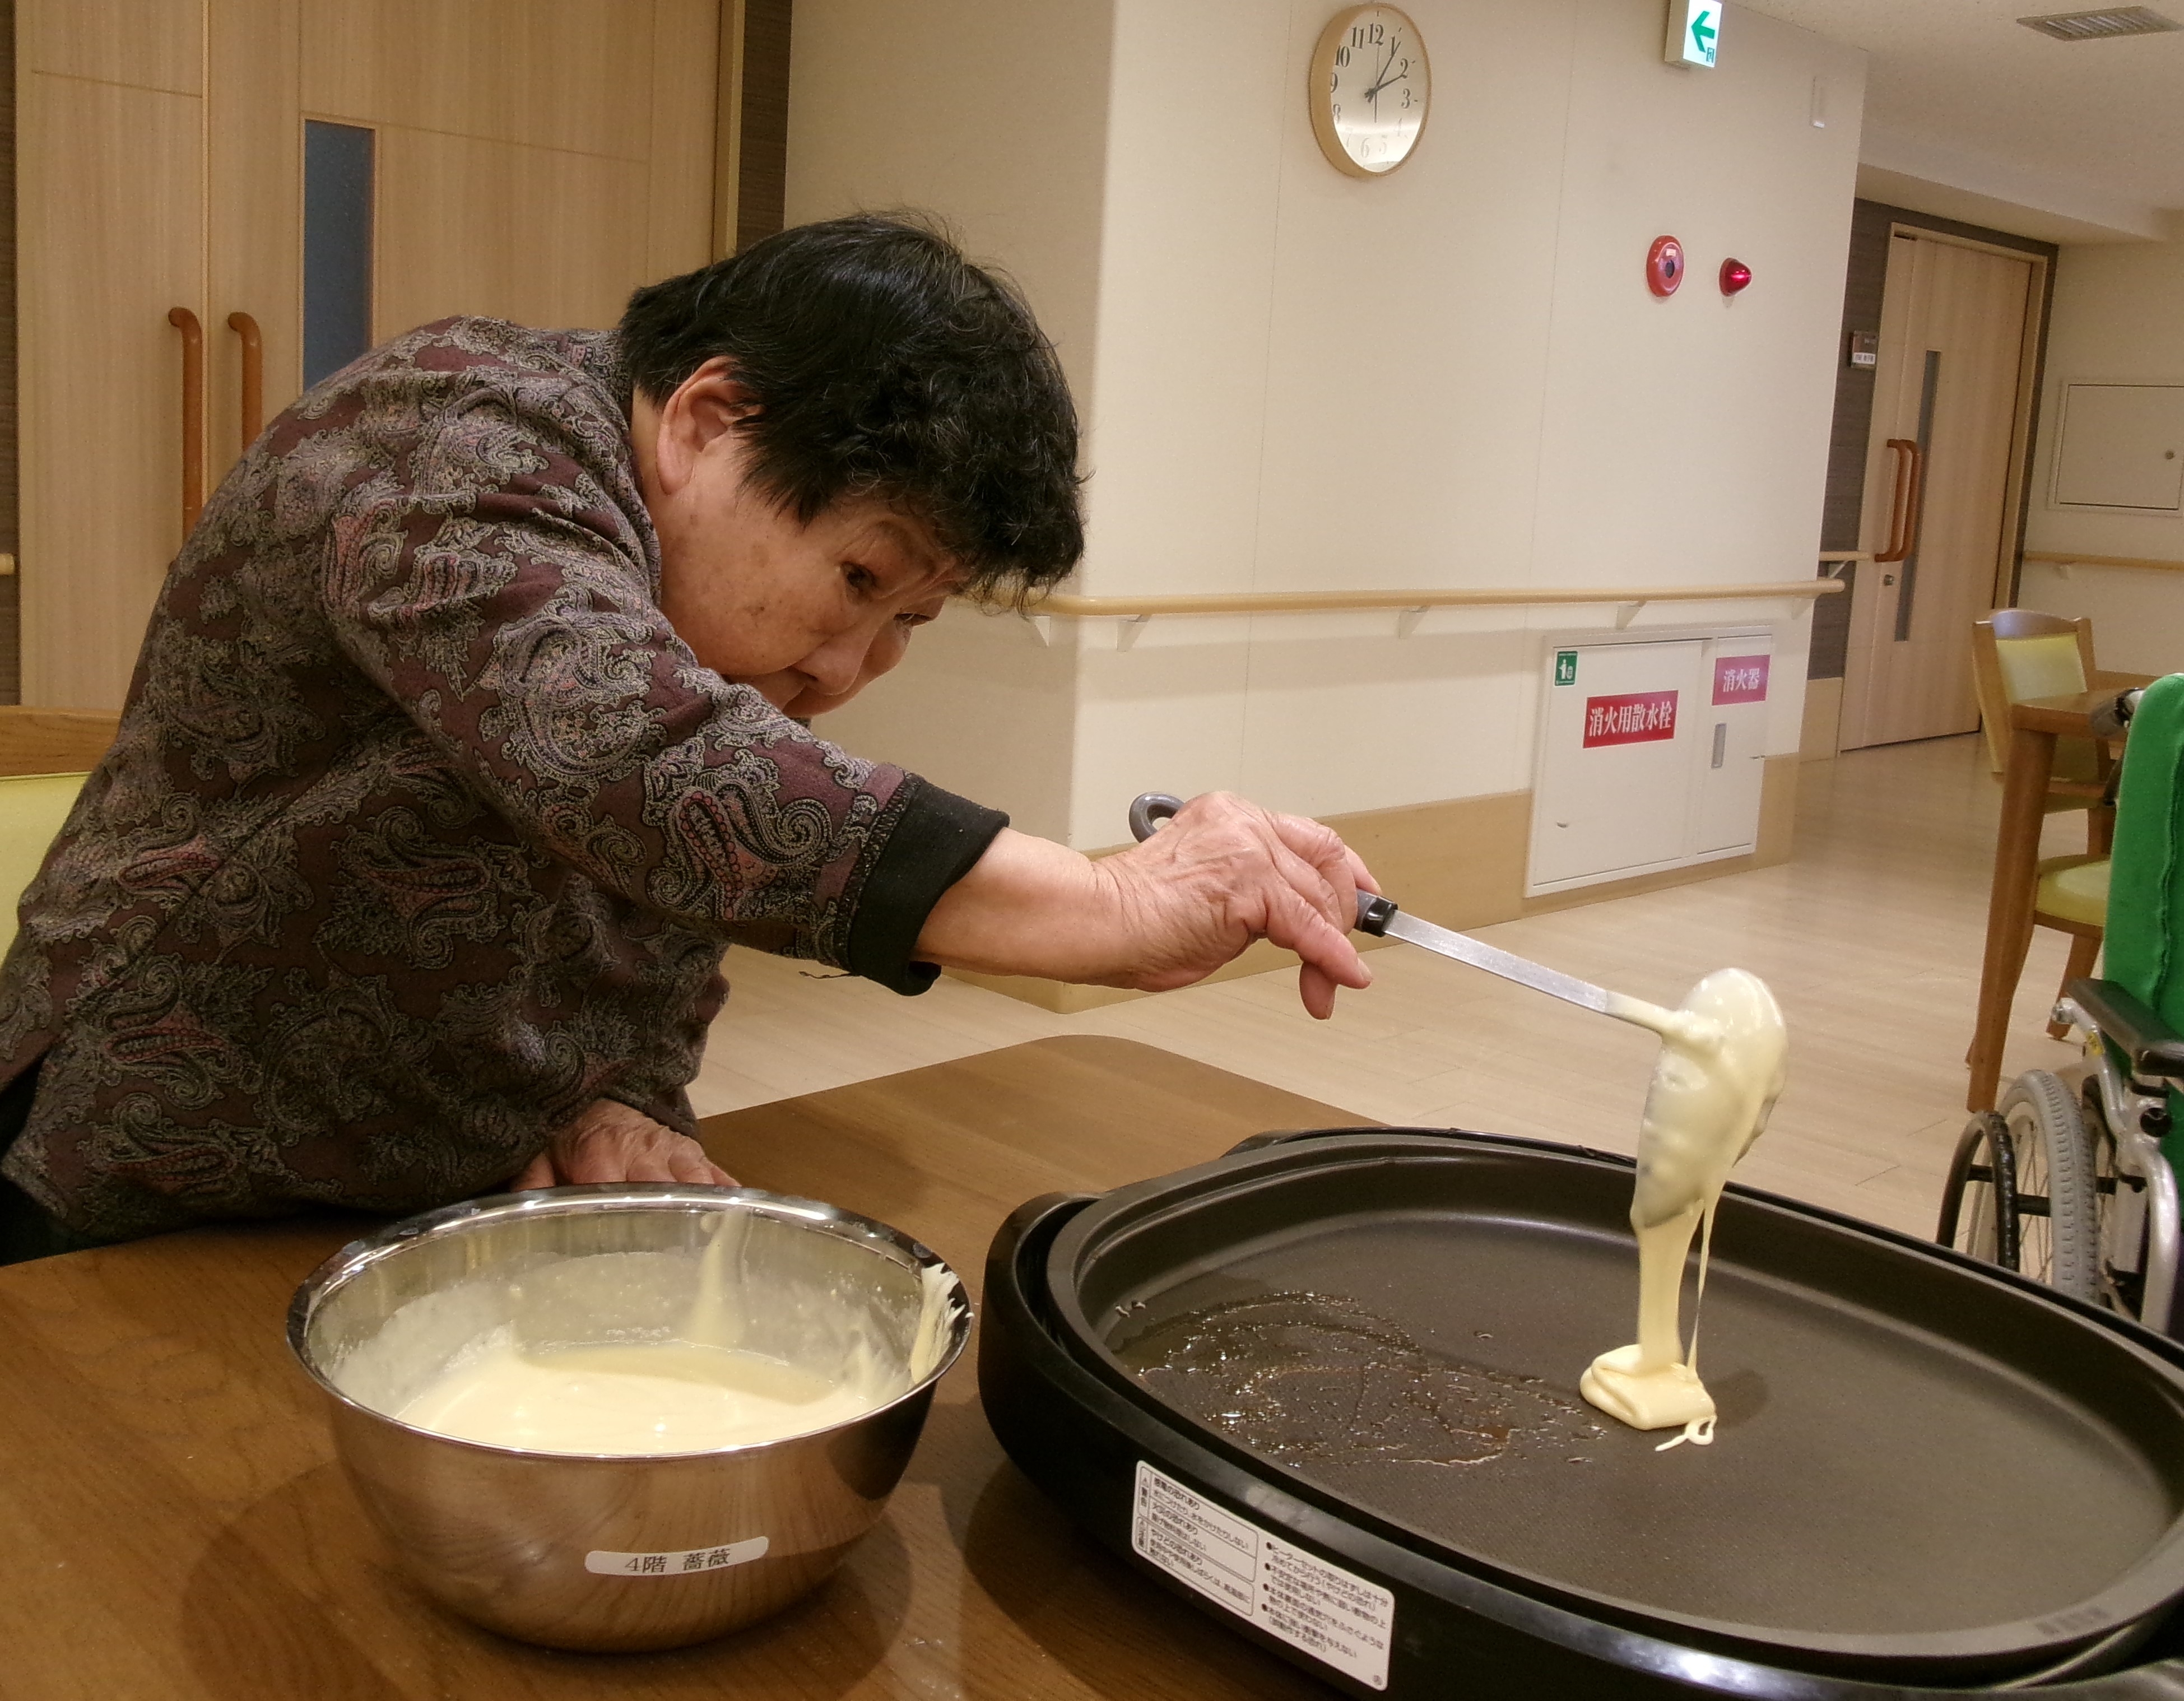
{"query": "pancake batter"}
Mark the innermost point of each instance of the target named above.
(664, 1396)
(1720, 1073)
(689, 1394)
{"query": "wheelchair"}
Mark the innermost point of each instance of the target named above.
(2073, 1180)
(2068, 1181)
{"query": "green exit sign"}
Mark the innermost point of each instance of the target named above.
(1694, 33)
(1565, 667)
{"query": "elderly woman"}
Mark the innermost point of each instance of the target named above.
(471, 729)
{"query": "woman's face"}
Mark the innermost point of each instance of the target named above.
(807, 614)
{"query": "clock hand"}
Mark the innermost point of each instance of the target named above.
(1384, 80)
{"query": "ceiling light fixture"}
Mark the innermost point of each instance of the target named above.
(2100, 26)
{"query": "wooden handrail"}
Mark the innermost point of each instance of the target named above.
(253, 376)
(1336, 602)
(186, 321)
(2149, 562)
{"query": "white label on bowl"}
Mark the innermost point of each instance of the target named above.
(675, 1564)
(1333, 1614)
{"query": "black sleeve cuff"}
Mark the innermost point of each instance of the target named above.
(937, 837)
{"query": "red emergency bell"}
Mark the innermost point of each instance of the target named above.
(1664, 265)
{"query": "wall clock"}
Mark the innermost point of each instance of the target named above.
(1370, 90)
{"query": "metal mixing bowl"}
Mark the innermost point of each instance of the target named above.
(620, 1552)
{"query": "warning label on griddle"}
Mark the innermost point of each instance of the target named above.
(1327, 1612)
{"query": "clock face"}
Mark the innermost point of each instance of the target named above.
(1370, 89)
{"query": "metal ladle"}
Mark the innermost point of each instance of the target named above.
(1377, 916)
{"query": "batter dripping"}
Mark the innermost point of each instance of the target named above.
(1720, 1073)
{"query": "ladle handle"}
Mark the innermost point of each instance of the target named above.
(1151, 810)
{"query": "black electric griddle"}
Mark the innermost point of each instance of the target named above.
(1354, 1355)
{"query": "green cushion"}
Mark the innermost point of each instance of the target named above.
(2145, 880)
(32, 808)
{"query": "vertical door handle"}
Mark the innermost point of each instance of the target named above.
(253, 376)
(1904, 503)
(1915, 507)
(186, 321)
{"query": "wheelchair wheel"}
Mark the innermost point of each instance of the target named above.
(2058, 1236)
(2023, 1188)
(2123, 1246)
(1978, 1203)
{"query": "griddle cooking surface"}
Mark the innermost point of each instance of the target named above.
(1407, 1334)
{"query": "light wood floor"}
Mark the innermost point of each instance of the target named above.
(1870, 937)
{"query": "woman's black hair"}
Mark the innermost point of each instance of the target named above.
(884, 362)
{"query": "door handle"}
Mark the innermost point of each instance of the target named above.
(253, 376)
(1905, 504)
(186, 321)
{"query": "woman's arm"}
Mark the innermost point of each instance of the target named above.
(1169, 912)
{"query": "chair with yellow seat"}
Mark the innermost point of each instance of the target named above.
(2020, 653)
(46, 754)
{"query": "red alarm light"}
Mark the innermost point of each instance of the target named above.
(1664, 265)
(1735, 275)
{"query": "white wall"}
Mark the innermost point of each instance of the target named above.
(2119, 314)
(993, 113)
(1453, 377)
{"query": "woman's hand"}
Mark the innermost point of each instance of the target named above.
(1169, 912)
(609, 1142)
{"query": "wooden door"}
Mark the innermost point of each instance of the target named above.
(110, 195)
(531, 159)
(254, 186)
(1949, 396)
(537, 160)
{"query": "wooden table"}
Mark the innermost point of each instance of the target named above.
(2035, 725)
(177, 1528)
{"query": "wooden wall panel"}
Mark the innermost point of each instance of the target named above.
(466, 226)
(102, 371)
(566, 74)
(156, 44)
(686, 44)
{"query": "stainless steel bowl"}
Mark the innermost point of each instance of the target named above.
(619, 1552)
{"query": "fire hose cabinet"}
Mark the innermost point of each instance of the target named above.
(1651, 751)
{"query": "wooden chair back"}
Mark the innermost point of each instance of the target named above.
(2019, 653)
(44, 755)
(53, 740)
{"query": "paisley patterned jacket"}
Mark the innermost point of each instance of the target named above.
(423, 829)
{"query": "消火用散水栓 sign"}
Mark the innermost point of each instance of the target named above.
(1632, 718)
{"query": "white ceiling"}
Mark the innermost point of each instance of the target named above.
(1963, 95)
